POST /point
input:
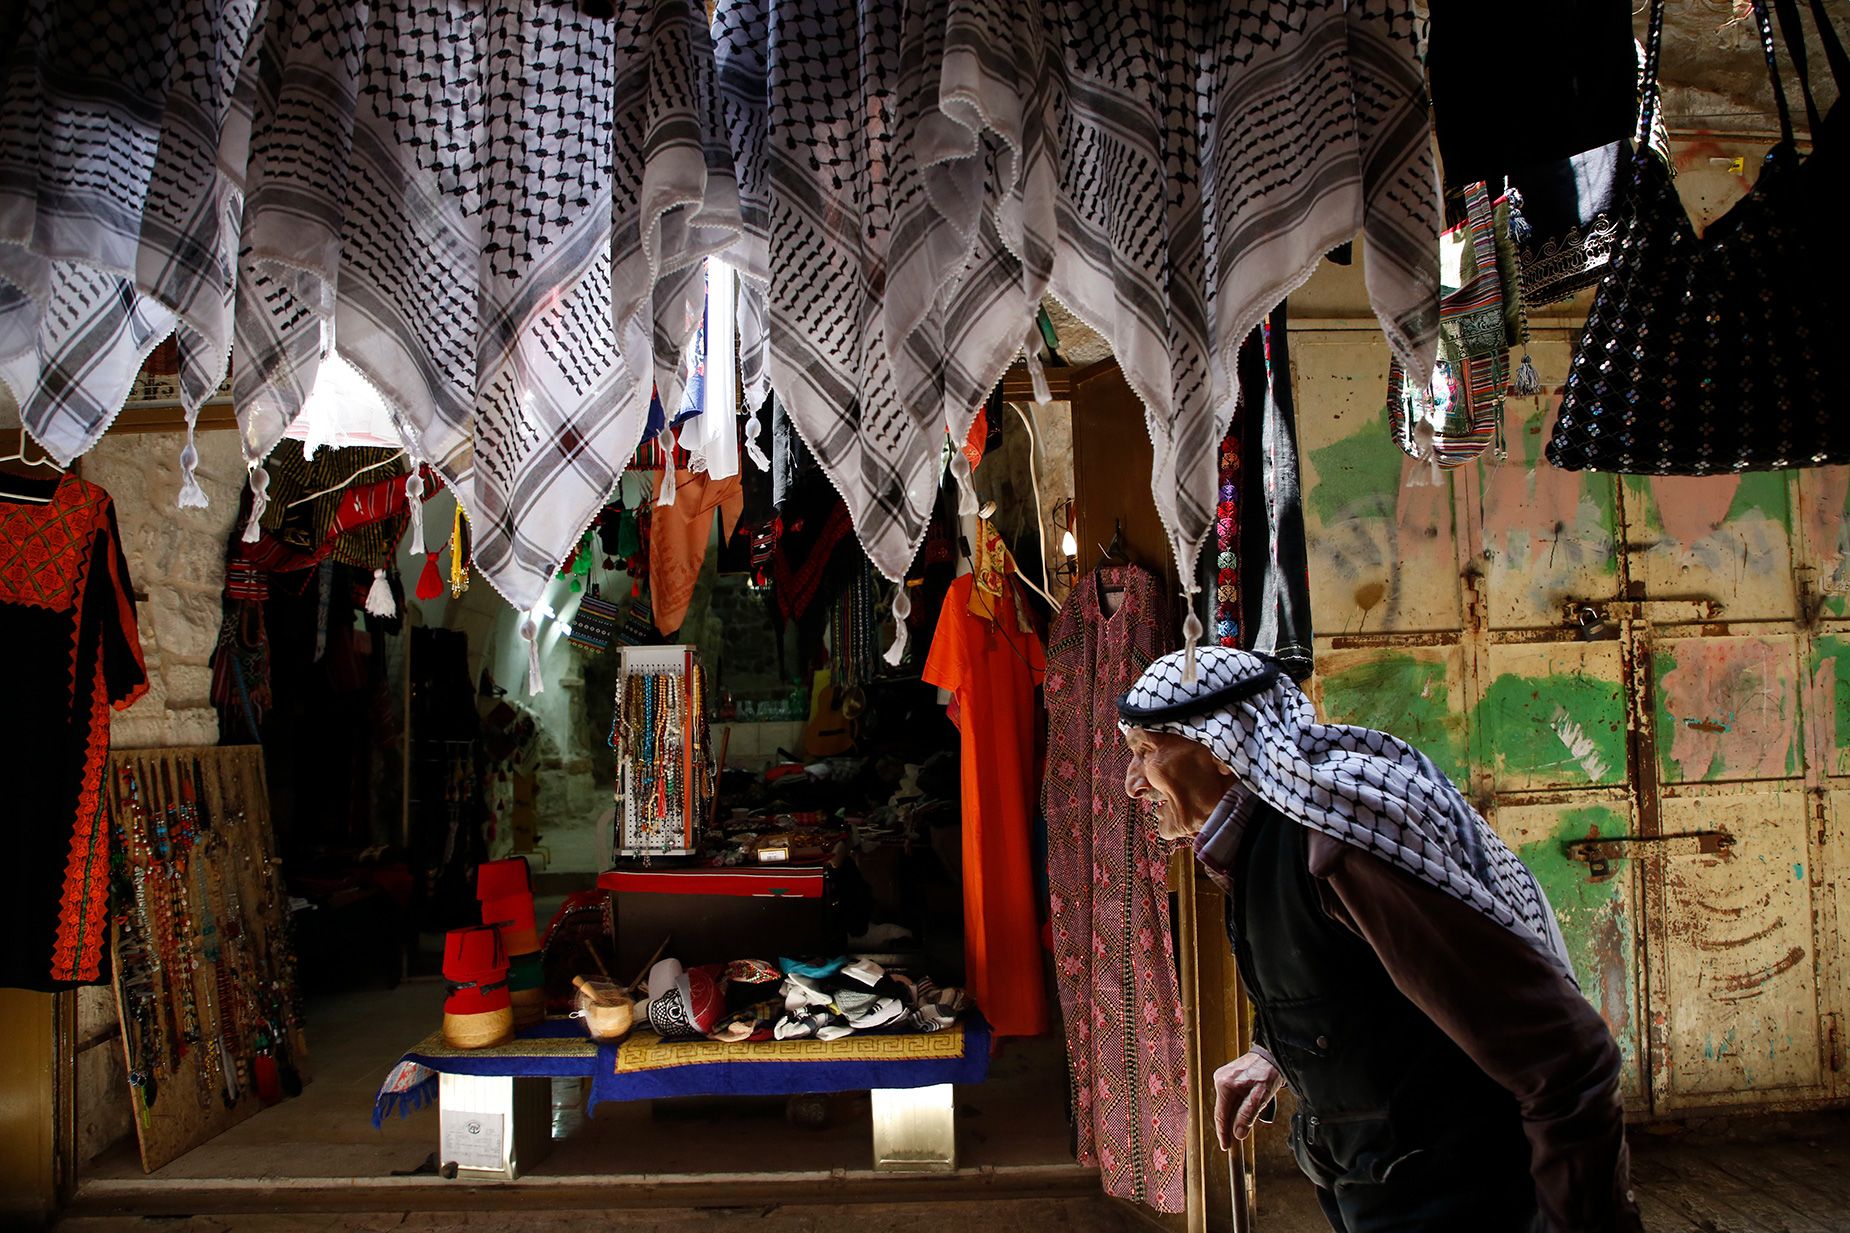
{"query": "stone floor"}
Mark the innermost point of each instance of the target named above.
(1003, 1216)
(316, 1163)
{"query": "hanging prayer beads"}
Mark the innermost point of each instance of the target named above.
(664, 788)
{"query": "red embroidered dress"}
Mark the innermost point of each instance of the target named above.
(1113, 957)
(67, 619)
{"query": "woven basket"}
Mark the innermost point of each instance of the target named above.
(528, 1006)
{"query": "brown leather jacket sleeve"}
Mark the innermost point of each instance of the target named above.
(1515, 1014)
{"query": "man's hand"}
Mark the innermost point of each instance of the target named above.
(1242, 1088)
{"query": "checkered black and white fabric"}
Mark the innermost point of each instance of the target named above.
(120, 202)
(889, 273)
(1361, 787)
(914, 178)
(498, 214)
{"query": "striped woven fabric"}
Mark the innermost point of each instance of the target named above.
(1463, 408)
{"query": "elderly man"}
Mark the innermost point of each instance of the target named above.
(1408, 977)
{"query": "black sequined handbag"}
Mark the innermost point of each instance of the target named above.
(1705, 355)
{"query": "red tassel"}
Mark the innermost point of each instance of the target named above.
(430, 581)
(269, 1082)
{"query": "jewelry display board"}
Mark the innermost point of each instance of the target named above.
(199, 942)
(664, 786)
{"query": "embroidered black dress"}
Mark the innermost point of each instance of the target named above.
(67, 621)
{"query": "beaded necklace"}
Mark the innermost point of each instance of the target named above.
(136, 973)
(204, 965)
(182, 963)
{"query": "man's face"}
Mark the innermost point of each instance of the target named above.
(1179, 776)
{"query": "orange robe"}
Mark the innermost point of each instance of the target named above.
(992, 669)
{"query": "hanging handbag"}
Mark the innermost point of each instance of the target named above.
(1564, 213)
(1705, 355)
(1826, 173)
(595, 622)
(1464, 409)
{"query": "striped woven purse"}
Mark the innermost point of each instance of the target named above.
(1462, 413)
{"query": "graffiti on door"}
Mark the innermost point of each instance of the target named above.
(1653, 664)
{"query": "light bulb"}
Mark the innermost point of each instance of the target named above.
(1069, 547)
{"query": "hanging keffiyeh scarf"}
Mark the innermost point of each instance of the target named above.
(1358, 786)
(1308, 124)
(497, 213)
(1170, 172)
(875, 144)
(119, 206)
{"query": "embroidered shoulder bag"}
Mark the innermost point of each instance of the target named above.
(1463, 411)
(1705, 355)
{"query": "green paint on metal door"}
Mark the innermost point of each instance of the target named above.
(1571, 728)
(1596, 920)
(1358, 474)
(1406, 696)
(1765, 491)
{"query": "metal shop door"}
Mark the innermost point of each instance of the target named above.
(1728, 837)
(1613, 672)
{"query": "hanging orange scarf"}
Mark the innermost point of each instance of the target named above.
(678, 540)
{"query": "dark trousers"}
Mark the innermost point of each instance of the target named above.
(1414, 1200)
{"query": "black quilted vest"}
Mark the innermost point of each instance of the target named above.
(1386, 1101)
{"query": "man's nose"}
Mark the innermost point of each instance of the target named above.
(1135, 785)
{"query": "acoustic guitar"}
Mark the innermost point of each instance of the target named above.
(829, 733)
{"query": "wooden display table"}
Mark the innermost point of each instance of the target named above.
(494, 1105)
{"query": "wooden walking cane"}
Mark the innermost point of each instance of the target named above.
(1236, 1186)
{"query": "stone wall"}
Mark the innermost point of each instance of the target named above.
(176, 562)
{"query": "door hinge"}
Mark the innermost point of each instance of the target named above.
(1834, 1042)
(1598, 854)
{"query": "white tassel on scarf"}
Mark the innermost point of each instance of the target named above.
(260, 501)
(379, 597)
(1426, 471)
(1036, 374)
(192, 496)
(902, 609)
(668, 443)
(1191, 640)
(966, 482)
(530, 631)
(753, 450)
(414, 499)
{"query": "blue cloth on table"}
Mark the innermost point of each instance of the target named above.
(788, 1078)
(557, 1048)
(560, 1048)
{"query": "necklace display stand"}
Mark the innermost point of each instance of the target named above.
(200, 946)
(665, 772)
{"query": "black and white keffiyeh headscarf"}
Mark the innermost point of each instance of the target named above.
(1361, 787)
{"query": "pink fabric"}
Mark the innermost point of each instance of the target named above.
(1113, 956)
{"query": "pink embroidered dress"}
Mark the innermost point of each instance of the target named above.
(1113, 953)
